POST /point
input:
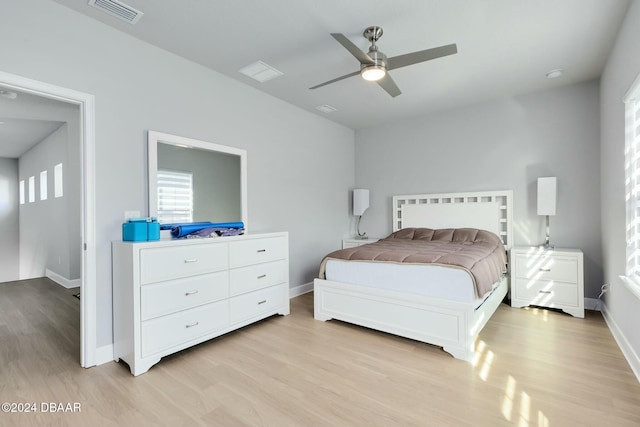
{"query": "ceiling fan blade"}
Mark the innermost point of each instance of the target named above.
(352, 48)
(389, 85)
(337, 79)
(421, 56)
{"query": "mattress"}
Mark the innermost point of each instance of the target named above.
(435, 281)
(478, 253)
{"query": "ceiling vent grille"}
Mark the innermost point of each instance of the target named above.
(326, 108)
(260, 71)
(117, 9)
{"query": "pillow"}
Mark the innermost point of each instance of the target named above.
(446, 234)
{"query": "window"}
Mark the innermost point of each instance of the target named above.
(57, 180)
(632, 179)
(175, 197)
(22, 192)
(43, 185)
(32, 189)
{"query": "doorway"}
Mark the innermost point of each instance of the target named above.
(86, 105)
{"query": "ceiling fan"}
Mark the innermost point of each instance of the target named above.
(374, 65)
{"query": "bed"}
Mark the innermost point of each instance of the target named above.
(371, 295)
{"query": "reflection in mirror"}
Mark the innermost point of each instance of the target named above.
(192, 180)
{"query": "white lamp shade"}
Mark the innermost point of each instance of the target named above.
(360, 201)
(547, 195)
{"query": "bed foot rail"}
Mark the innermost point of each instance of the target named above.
(317, 303)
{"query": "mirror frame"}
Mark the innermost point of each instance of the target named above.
(154, 137)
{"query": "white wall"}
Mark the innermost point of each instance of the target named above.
(498, 145)
(50, 229)
(9, 243)
(621, 306)
(300, 166)
(31, 107)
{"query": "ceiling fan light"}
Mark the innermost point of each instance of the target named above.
(373, 73)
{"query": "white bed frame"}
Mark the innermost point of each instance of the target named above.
(449, 324)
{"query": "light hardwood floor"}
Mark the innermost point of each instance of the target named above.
(534, 367)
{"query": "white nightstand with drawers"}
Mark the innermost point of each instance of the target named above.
(548, 278)
(352, 242)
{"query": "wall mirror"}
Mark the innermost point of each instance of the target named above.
(192, 180)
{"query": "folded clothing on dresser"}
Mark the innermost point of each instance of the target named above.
(205, 229)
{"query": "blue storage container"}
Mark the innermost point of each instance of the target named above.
(153, 229)
(135, 230)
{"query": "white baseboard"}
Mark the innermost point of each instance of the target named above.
(300, 290)
(627, 350)
(104, 354)
(592, 304)
(62, 281)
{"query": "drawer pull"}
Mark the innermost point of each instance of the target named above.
(262, 276)
(191, 293)
(191, 325)
(544, 292)
(545, 269)
(189, 261)
(261, 250)
(262, 302)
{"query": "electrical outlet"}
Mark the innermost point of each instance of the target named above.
(131, 214)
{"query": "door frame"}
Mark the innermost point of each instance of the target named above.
(86, 103)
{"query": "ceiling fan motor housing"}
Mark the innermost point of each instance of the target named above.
(378, 58)
(376, 70)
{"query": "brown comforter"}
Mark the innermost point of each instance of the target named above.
(479, 252)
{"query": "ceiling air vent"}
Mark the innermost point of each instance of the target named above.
(260, 71)
(117, 9)
(326, 108)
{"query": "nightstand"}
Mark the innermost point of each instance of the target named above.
(352, 242)
(549, 278)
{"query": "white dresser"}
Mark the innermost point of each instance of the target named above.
(171, 294)
(548, 278)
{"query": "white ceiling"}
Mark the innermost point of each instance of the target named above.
(27, 119)
(17, 136)
(505, 47)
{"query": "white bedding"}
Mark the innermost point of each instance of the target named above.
(434, 281)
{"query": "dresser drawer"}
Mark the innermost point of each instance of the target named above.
(182, 261)
(255, 303)
(547, 293)
(247, 279)
(168, 297)
(256, 251)
(558, 268)
(167, 331)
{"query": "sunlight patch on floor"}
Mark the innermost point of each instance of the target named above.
(512, 410)
(525, 410)
(486, 366)
(484, 357)
(543, 421)
(544, 314)
(478, 353)
(507, 402)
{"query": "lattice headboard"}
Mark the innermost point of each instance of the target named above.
(486, 210)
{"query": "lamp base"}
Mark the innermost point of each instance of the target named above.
(359, 236)
(546, 244)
